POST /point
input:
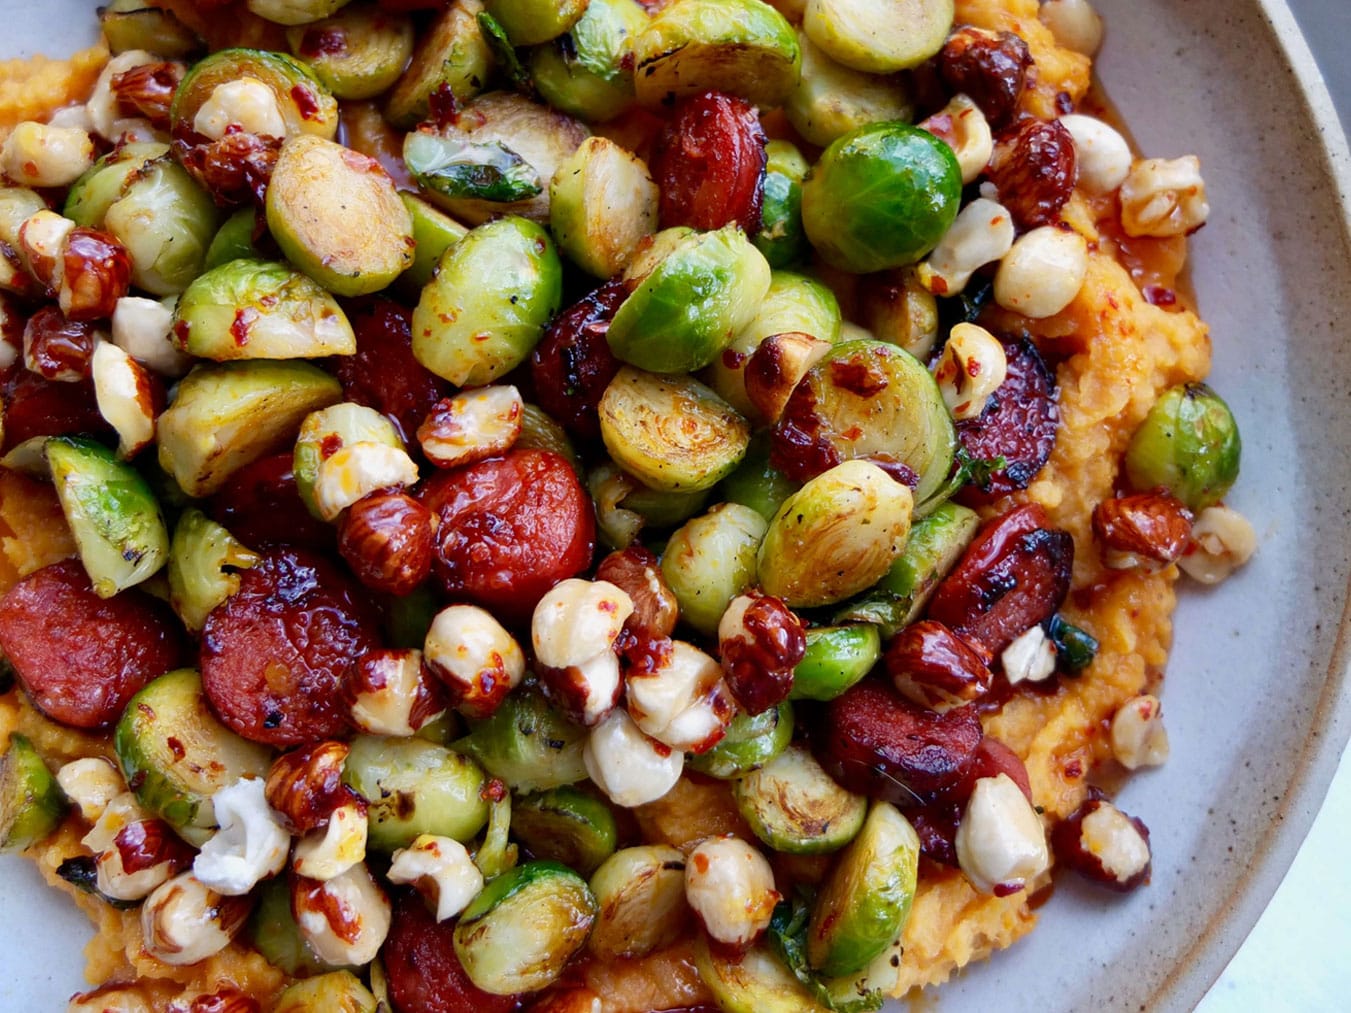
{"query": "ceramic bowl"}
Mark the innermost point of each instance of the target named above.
(1255, 692)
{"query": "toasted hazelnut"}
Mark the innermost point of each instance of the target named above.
(224, 1000)
(683, 701)
(147, 90)
(775, 367)
(387, 540)
(345, 919)
(636, 572)
(1138, 736)
(472, 425)
(991, 67)
(183, 921)
(127, 395)
(143, 855)
(305, 785)
(760, 642)
(1104, 845)
(1148, 530)
(934, 667)
(390, 692)
(97, 274)
(58, 348)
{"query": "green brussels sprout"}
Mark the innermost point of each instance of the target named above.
(203, 562)
(640, 900)
(337, 216)
(751, 741)
(831, 99)
(896, 308)
(540, 432)
(743, 47)
(584, 72)
(233, 240)
(302, 104)
(415, 787)
(881, 196)
(753, 982)
(134, 24)
(756, 483)
(139, 194)
(1189, 444)
(602, 203)
(273, 932)
(866, 901)
(31, 802)
(837, 657)
(118, 526)
(795, 807)
(453, 166)
(781, 237)
(486, 308)
(228, 415)
(334, 992)
(671, 432)
(175, 754)
(359, 52)
(528, 743)
(294, 12)
(879, 37)
(660, 508)
(451, 51)
(568, 825)
(530, 22)
(520, 932)
(434, 232)
(686, 308)
(328, 430)
(835, 536)
(794, 302)
(710, 560)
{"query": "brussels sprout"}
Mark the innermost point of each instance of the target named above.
(488, 303)
(710, 560)
(671, 432)
(685, 310)
(359, 52)
(584, 73)
(660, 508)
(879, 37)
(794, 302)
(618, 527)
(640, 897)
(415, 787)
(602, 202)
(434, 232)
(294, 12)
(451, 52)
(751, 741)
(335, 992)
(566, 825)
(203, 560)
(329, 429)
(936, 542)
(118, 526)
(1189, 444)
(866, 900)
(455, 167)
(255, 309)
(520, 932)
(793, 805)
(31, 802)
(505, 55)
(831, 99)
(528, 743)
(273, 932)
(530, 22)
(540, 432)
(175, 754)
(303, 104)
(743, 47)
(754, 982)
(781, 237)
(835, 536)
(130, 25)
(896, 308)
(756, 483)
(337, 216)
(836, 658)
(870, 399)
(234, 240)
(497, 854)
(139, 194)
(881, 196)
(229, 415)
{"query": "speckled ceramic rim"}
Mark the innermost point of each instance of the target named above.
(1197, 968)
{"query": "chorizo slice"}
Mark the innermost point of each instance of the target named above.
(274, 653)
(572, 364)
(710, 164)
(80, 657)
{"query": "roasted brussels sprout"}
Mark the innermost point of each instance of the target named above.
(710, 560)
(584, 72)
(234, 240)
(203, 560)
(528, 743)
(602, 203)
(263, 93)
(567, 825)
(753, 982)
(295, 12)
(781, 237)
(795, 807)
(879, 37)
(334, 992)
(1189, 444)
(751, 741)
(756, 483)
(640, 900)
(530, 22)
(359, 52)
(434, 232)
(881, 196)
(451, 52)
(31, 802)
(831, 99)
(836, 658)
(129, 25)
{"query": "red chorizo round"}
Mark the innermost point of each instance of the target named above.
(38, 407)
(424, 974)
(274, 653)
(572, 364)
(710, 164)
(80, 657)
(510, 528)
(261, 505)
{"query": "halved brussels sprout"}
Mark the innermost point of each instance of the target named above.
(671, 432)
(234, 240)
(520, 932)
(879, 37)
(881, 196)
(228, 415)
(528, 743)
(753, 982)
(486, 308)
(129, 25)
(756, 483)
(203, 560)
(328, 430)
(434, 232)
(640, 898)
(686, 308)
(584, 72)
(530, 22)
(175, 754)
(831, 99)
(835, 536)
(1189, 444)
(415, 787)
(335, 992)
(836, 658)
(139, 194)
(781, 237)
(336, 215)
(294, 12)
(793, 805)
(896, 307)
(257, 309)
(743, 47)
(451, 51)
(602, 202)
(624, 506)
(751, 741)
(31, 802)
(866, 900)
(359, 52)
(454, 167)
(300, 102)
(710, 560)
(567, 825)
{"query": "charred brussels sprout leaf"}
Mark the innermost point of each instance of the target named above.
(457, 167)
(787, 937)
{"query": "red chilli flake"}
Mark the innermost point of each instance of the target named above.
(306, 104)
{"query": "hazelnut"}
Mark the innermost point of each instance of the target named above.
(386, 538)
(305, 785)
(933, 666)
